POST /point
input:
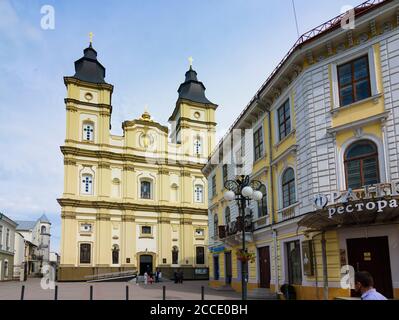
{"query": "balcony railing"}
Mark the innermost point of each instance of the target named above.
(288, 213)
(231, 234)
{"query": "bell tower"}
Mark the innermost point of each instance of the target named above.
(193, 119)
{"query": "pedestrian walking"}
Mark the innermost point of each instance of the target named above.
(364, 283)
(145, 277)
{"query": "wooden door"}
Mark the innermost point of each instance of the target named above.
(372, 255)
(264, 267)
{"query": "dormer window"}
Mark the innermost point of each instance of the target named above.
(88, 131)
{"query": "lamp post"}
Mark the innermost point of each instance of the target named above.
(243, 190)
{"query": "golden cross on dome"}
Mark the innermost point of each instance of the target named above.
(91, 37)
(190, 60)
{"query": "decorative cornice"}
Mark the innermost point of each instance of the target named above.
(104, 165)
(197, 121)
(359, 123)
(185, 174)
(164, 220)
(103, 216)
(68, 215)
(128, 167)
(67, 202)
(186, 221)
(163, 171)
(69, 162)
(285, 154)
(70, 102)
(104, 86)
(128, 218)
(126, 125)
(96, 154)
(72, 108)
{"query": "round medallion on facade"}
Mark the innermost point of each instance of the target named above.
(197, 115)
(88, 96)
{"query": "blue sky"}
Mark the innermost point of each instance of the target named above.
(144, 46)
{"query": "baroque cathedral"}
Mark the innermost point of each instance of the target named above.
(136, 202)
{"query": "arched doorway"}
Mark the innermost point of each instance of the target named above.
(146, 263)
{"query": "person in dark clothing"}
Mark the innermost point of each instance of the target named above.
(175, 275)
(181, 276)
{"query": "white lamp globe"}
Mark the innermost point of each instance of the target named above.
(229, 195)
(247, 192)
(257, 196)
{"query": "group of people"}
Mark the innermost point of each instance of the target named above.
(149, 277)
(178, 276)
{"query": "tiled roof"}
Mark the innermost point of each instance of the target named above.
(25, 225)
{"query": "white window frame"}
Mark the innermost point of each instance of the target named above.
(83, 184)
(280, 187)
(197, 145)
(348, 57)
(84, 133)
(201, 193)
(341, 174)
(151, 182)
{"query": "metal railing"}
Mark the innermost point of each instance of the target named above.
(91, 293)
(103, 276)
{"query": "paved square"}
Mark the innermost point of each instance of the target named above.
(189, 290)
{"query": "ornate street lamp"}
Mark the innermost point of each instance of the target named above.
(243, 190)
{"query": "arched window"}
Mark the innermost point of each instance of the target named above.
(262, 204)
(87, 184)
(115, 254)
(215, 224)
(85, 253)
(145, 189)
(175, 255)
(198, 193)
(361, 164)
(197, 146)
(43, 230)
(6, 269)
(288, 187)
(88, 131)
(227, 216)
(200, 255)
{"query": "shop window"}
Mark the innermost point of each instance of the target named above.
(294, 262)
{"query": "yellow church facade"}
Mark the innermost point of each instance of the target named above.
(136, 201)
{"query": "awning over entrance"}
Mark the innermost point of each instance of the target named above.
(364, 212)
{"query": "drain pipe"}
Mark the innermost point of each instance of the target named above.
(271, 190)
(324, 259)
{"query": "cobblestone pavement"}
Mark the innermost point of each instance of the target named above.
(189, 290)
